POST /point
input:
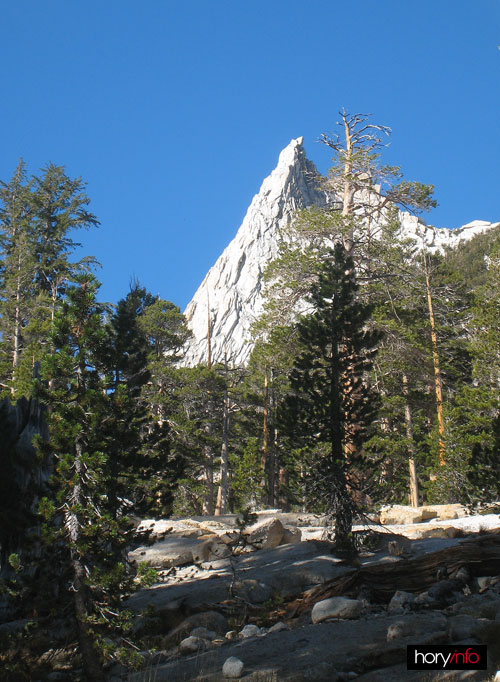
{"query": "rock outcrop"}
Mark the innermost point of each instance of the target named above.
(231, 293)
(232, 287)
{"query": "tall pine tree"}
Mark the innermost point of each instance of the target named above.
(332, 406)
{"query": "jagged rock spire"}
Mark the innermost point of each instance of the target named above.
(234, 282)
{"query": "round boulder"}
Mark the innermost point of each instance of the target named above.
(191, 645)
(233, 668)
(336, 607)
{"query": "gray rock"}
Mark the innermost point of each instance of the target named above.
(399, 514)
(211, 548)
(277, 627)
(422, 598)
(191, 645)
(287, 569)
(252, 591)
(250, 630)
(173, 551)
(204, 633)
(291, 536)
(209, 620)
(265, 534)
(336, 607)
(233, 668)
(400, 602)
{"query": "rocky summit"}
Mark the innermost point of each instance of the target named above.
(230, 297)
(232, 287)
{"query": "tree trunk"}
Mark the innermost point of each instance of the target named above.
(409, 436)
(348, 196)
(437, 371)
(90, 656)
(265, 437)
(208, 502)
(223, 491)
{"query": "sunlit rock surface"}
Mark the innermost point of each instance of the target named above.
(232, 289)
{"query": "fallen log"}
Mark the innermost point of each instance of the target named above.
(479, 554)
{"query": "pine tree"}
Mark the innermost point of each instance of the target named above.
(332, 406)
(193, 406)
(17, 271)
(90, 538)
(36, 221)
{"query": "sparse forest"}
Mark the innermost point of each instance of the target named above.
(374, 379)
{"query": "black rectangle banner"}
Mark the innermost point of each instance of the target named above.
(446, 657)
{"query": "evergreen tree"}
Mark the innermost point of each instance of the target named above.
(90, 538)
(193, 405)
(36, 221)
(332, 406)
(17, 271)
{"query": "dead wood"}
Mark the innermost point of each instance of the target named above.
(480, 554)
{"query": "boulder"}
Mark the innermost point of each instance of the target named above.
(210, 620)
(191, 645)
(291, 536)
(233, 668)
(252, 591)
(445, 512)
(277, 627)
(400, 602)
(401, 515)
(250, 630)
(173, 551)
(435, 531)
(265, 534)
(336, 607)
(209, 547)
(214, 527)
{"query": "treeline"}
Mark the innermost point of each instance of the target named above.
(374, 378)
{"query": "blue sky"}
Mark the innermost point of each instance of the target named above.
(174, 113)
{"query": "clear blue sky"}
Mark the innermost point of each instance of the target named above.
(175, 112)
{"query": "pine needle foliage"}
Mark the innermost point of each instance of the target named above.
(332, 407)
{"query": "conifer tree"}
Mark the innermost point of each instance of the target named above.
(90, 538)
(332, 407)
(17, 271)
(37, 218)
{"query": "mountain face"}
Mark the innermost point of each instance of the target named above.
(230, 295)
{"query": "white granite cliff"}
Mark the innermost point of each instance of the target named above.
(233, 285)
